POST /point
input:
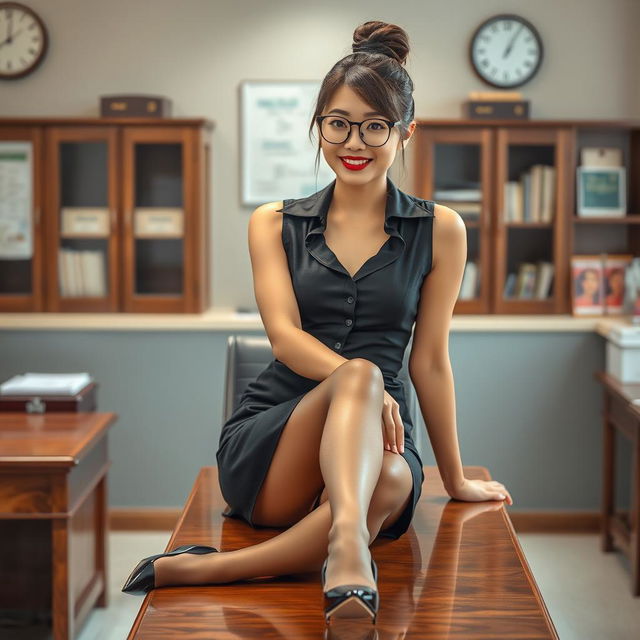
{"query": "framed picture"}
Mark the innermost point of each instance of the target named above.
(602, 191)
(587, 285)
(614, 278)
(277, 153)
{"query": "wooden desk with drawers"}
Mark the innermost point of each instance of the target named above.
(53, 516)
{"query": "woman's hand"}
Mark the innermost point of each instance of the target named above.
(479, 490)
(392, 427)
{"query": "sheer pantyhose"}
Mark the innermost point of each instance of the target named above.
(332, 438)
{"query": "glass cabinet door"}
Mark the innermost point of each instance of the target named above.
(455, 175)
(20, 220)
(157, 171)
(530, 221)
(82, 224)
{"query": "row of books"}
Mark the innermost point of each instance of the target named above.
(531, 197)
(82, 273)
(532, 281)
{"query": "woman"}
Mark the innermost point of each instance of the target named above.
(322, 442)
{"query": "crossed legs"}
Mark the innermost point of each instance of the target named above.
(333, 439)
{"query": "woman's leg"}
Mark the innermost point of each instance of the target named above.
(301, 548)
(351, 454)
(345, 411)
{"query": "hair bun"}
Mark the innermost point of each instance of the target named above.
(381, 38)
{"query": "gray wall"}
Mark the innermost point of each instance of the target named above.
(527, 407)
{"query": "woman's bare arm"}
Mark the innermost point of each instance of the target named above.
(298, 349)
(429, 364)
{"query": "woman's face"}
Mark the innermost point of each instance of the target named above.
(616, 280)
(590, 282)
(381, 158)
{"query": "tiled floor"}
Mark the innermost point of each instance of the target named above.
(587, 592)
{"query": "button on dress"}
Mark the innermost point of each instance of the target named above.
(369, 315)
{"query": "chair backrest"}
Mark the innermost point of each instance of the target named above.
(248, 355)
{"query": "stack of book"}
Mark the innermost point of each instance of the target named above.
(82, 273)
(465, 200)
(532, 281)
(531, 198)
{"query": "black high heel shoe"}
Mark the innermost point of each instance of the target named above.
(350, 600)
(142, 578)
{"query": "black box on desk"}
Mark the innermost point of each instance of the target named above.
(84, 400)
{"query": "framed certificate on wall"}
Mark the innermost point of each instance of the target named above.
(277, 151)
(16, 200)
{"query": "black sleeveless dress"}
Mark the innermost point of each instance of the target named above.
(368, 316)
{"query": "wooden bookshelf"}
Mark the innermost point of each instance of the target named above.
(483, 156)
(120, 219)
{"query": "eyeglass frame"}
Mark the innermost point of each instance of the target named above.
(391, 124)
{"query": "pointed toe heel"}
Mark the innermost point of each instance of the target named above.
(142, 578)
(350, 600)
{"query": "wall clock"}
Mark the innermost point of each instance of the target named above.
(506, 51)
(23, 40)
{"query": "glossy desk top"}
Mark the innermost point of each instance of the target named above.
(458, 572)
(56, 439)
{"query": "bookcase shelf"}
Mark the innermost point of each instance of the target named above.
(630, 218)
(120, 216)
(514, 184)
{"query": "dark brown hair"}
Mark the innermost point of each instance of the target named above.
(374, 71)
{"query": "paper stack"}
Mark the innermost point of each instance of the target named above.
(55, 384)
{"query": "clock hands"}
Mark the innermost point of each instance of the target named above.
(10, 39)
(507, 51)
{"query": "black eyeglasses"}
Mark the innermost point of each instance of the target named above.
(336, 130)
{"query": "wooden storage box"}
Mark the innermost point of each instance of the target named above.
(84, 400)
(132, 106)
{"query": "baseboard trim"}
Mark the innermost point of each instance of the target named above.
(555, 521)
(143, 518)
(166, 518)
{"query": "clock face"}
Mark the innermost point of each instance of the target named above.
(23, 40)
(506, 51)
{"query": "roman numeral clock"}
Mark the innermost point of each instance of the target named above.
(506, 51)
(23, 40)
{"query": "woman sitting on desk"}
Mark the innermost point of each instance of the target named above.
(321, 442)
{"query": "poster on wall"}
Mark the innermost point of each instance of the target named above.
(16, 191)
(278, 154)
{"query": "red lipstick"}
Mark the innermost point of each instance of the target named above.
(357, 165)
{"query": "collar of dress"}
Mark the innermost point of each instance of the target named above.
(398, 205)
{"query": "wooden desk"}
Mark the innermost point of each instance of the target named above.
(53, 515)
(458, 572)
(621, 530)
